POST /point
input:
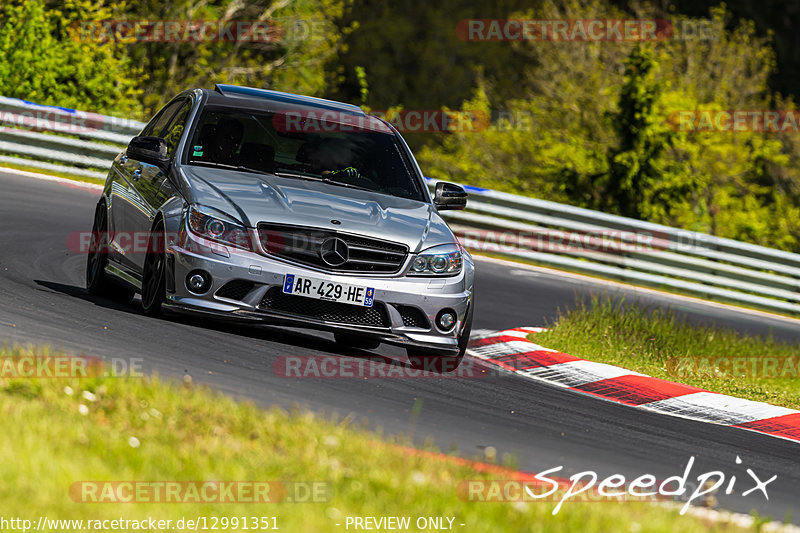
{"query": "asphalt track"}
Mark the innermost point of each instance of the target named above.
(42, 301)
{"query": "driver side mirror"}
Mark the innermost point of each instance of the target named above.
(151, 150)
(449, 196)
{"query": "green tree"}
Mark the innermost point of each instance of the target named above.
(305, 39)
(42, 61)
(641, 183)
(597, 130)
(414, 56)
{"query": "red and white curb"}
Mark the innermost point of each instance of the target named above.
(512, 351)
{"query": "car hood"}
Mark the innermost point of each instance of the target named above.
(254, 198)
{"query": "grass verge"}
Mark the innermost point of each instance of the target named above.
(57, 432)
(637, 284)
(658, 344)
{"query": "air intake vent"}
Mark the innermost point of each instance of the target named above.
(413, 317)
(236, 289)
(276, 300)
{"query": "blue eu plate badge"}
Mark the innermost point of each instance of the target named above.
(369, 297)
(288, 283)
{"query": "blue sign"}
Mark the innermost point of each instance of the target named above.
(288, 283)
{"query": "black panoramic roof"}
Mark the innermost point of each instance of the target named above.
(249, 97)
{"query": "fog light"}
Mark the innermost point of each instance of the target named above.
(446, 319)
(198, 281)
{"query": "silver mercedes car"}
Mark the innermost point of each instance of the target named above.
(269, 207)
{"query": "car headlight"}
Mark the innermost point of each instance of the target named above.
(218, 227)
(444, 260)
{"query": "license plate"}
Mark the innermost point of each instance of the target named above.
(329, 291)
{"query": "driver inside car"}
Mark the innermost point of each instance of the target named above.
(333, 159)
(224, 142)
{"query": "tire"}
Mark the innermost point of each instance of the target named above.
(360, 342)
(153, 282)
(422, 359)
(97, 283)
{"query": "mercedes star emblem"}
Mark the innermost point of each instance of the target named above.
(334, 252)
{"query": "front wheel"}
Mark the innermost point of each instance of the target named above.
(153, 284)
(97, 283)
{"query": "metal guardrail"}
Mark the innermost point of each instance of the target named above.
(558, 235)
(61, 140)
(643, 253)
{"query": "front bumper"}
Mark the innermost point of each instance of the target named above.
(395, 294)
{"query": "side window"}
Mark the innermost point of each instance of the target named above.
(175, 129)
(158, 126)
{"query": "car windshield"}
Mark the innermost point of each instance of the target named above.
(339, 153)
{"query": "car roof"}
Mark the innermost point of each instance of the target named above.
(250, 97)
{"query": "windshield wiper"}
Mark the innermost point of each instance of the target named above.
(323, 180)
(240, 168)
(299, 176)
(243, 168)
(348, 185)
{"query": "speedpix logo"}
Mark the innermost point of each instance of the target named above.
(612, 488)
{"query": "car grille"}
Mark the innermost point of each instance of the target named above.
(303, 245)
(413, 317)
(236, 289)
(276, 300)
